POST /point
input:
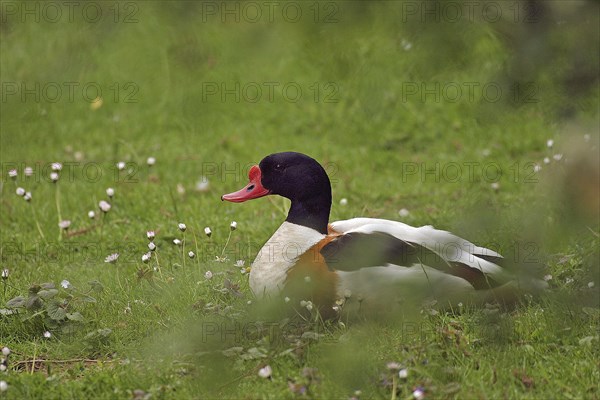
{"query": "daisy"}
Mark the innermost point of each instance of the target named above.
(207, 231)
(5, 273)
(239, 263)
(403, 373)
(191, 254)
(91, 214)
(419, 393)
(27, 196)
(3, 386)
(65, 224)
(5, 351)
(265, 372)
(202, 184)
(151, 161)
(182, 227)
(110, 192)
(146, 257)
(47, 335)
(111, 258)
(343, 201)
(28, 171)
(151, 246)
(104, 206)
(65, 284)
(150, 235)
(12, 174)
(121, 165)
(233, 225)
(56, 166)
(549, 143)
(557, 157)
(177, 242)
(20, 191)
(208, 275)
(403, 212)
(54, 177)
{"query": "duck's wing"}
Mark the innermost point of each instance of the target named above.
(369, 242)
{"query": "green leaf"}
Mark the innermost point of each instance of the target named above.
(47, 293)
(48, 285)
(76, 316)
(17, 302)
(55, 312)
(33, 302)
(96, 286)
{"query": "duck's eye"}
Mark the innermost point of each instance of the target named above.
(279, 167)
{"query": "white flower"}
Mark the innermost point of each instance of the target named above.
(54, 176)
(28, 171)
(47, 335)
(150, 235)
(151, 161)
(568, 280)
(306, 304)
(91, 214)
(406, 45)
(486, 152)
(20, 191)
(208, 275)
(239, 263)
(495, 185)
(265, 372)
(2, 366)
(393, 366)
(418, 393)
(12, 174)
(557, 157)
(104, 206)
(121, 165)
(177, 242)
(146, 257)
(591, 284)
(207, 231)
(27, 196)
(3, 386)
(5, 351)
(537, 168)
(110, 192)
(111, 258)
(180, 189)
(403, 373)
(549, 143)
(403, 212)
(182, 227)
(64, 224)
(586, 137)
(286, 299)
(191, 254)
(151, 246)
(307, 279)
(56, 166)
(343, 201)
(5, 273)
(202, 184)
(233, 225)
(547, 277)
(65, 284)
(546, 160)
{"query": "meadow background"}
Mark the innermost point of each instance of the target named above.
(442, 111)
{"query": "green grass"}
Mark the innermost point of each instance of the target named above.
(164, 332)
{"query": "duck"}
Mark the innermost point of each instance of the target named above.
(360, 263)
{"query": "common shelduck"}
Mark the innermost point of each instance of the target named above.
(360, 262)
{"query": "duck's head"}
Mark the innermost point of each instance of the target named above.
(297, 177)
